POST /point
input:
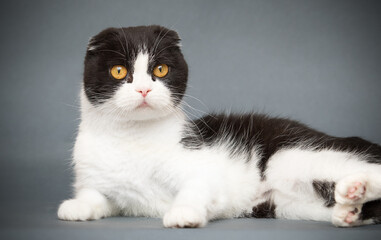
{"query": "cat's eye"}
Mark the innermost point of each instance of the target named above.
(118, 72)
(161, 70)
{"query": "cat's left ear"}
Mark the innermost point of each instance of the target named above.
(176, 38)
(168, 35)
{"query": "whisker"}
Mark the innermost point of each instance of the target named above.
(154, 44)
(117, 35)
(73, 106)
(200, 119)
(190, 96)
(154, 50)
(195, 109)
(194, 124)
(108, 50)
(125, 39)
(172, 45)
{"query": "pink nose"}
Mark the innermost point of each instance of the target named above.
(144, 92)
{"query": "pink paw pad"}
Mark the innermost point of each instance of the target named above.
(351, 216)
(356, 191)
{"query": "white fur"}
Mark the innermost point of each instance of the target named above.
(128, 159)
(342, 216)
(290, 173)
(89, 204)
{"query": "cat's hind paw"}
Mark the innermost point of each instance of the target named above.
(346, 215)
(184, 217)
(351, 190)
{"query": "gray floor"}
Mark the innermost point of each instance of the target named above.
(38, 221)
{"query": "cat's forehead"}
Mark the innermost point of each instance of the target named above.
(129, 42)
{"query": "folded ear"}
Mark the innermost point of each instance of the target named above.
(101, 39)
(166, 35)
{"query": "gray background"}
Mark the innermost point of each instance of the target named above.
(314, 61)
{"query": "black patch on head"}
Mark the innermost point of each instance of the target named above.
(120, 46)
(264, 210)
(326, 191)
(371, 210)
(243, 133)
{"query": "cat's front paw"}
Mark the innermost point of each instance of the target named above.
(346, 215)
(351, 190)
(76, 210)
(184, 217)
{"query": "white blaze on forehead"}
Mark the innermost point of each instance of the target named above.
(141, 79)
(141, 63)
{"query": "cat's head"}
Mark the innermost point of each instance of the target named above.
(137, 73)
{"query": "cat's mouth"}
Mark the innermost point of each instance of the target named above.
(144, 104)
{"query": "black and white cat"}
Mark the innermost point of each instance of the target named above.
(136, 154)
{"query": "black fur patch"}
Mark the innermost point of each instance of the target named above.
(243, 133)
(371, 210)
(326, 191)
(120, 46)
(264, 210)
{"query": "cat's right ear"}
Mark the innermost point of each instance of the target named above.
(91, 44)
(97, 41)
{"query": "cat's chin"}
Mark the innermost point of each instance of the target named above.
(144, 105)
(146, 113)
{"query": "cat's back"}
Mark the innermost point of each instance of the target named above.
(242, 132)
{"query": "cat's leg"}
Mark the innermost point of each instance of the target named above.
(88, 204)
(291, 209)
(347, 215)
(358, 214)
(298, 201)
(321, 206)
(355, 181)
(355, 195)
(302, 200)
(358, 188)
(189, 208)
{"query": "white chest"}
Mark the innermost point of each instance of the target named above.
(129, 171)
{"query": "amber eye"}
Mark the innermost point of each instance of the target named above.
(160, 70)
(118, 72)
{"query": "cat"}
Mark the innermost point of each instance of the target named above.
(137, 154)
